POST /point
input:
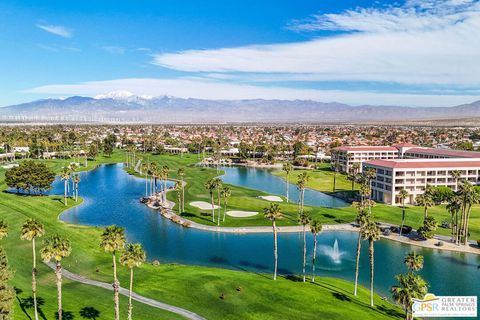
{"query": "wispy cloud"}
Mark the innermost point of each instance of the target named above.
(428, 43)
(213, 89)
(114, 49)
(57, 30)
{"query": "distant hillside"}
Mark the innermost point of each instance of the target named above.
(131, 108)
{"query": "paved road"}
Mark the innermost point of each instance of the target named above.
(154, 303)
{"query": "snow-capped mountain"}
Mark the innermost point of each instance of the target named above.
(123, 106)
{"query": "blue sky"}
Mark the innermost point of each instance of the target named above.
(411, 52)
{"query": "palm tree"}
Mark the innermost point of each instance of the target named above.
(3, 229)
(304, 219)
(414, 261)
(273, 214)
(301, 184)
(470, 196)
(361, 220)
(456, 174)
(218, 185)
(315, 228)
(56, 248)
(32, 229)
(178, 189)
(425, 200)
(210, 186)
(76, 181)
(181, 174)
(113, 240)
(65, 176)
(165, 171)
(411, 286)
(287, 168)
(226, 193)
(133, 256)
(371, 232)
(453, 207)
(403, 194)
(353, 174)
(145, 169)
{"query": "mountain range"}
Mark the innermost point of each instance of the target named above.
(124, 107)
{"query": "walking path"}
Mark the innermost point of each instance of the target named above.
(153, 303)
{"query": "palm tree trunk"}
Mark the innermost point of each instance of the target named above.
(58, 274)
(371, 271)
(357, 262)
(467, 218)
(219, 207)
(130, 306)
(224, 209)
(65, 191)
(183, 196)
(275, 250)
(304, 252)
(403, 218)
(314, 256)
(213, 207)
(334, 180)
(287, 186)
(34, 280)
(116, 286)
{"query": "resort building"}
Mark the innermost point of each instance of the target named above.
(344, 157)
(414, 175)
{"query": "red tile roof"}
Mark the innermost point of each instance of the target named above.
(366, 148)
(446, 152)
(424, 164)
(403, 145)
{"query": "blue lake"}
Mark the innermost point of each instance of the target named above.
(262, 179)
(112, 197)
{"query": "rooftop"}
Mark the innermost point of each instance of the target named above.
(446, 152)
(425, 164)
(366, 148)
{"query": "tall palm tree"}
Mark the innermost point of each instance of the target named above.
(361, 220)
(3, 229)
(301, 185)
(403, 194)
(65, 176)
(304, 219)
(456, 174)
(218, 185)
(371, 232)
(76, 181)
(470, 196)
(273, 214)
(178, 189)
(353, 173)
(113, 240)
(210, 186)
(181, 174)
(32, 229)
(414, 261)
(453, 207)
(287, 168)
(56, 247)
(226, 193)
(133, 256)
(315, 228)
(425, 200)
(165, 171)
(145, 169)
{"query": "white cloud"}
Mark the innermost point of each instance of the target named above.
(422, 43)
(209, 89)
(57, 30)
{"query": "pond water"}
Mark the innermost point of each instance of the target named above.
(262, 179)
(112, 197)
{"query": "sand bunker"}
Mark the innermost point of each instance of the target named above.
(203, 205)
(272, 198)
(241, 214)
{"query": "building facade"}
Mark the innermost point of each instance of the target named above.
(344, 157)
(414, 175)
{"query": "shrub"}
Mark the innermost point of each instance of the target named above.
(427, 230)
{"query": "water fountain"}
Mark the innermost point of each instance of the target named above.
(333, 252)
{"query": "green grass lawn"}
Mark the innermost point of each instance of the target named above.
(320, 179)
(246, 295)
